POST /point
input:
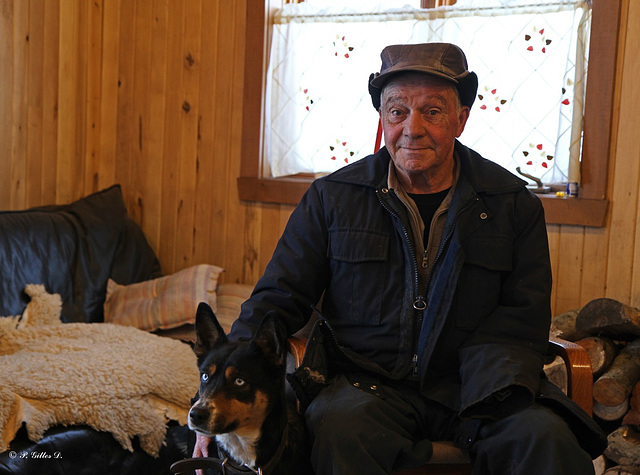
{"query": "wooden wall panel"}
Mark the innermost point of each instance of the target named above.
(18, 127)
(107, 121)
(34, 84)
(7, 22)
(592, 263)
(623, 282)
(568, 273)
(148, 94)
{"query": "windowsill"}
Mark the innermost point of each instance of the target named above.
(575, 211)
(558, 210)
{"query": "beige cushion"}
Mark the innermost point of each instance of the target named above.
(163, 303)
(230, 299)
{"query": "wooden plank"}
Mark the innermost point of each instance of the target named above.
(569, 274)
(141, 163)
(626, 173)
(210, 185)
(253, 86)
(213, 128)
(252, 239)
(127, 124)
(35, 79)
(270, 232)
(18, 140)
(286, 190)
(244, 25)
(229, 93)
(285, 214)
(170, 168)
(627, 144)
(93, 48)
(189, 133)
(6, 99)
(82, 37)
(109, 94)
(68, 172)
(581, 212)
(598, 114)
(594, 272)
(50, 100)
(151, 193)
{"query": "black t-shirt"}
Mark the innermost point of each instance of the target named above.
(427, 206)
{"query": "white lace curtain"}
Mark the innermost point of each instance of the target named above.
(530, 57)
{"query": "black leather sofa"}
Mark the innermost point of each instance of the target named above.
(73, 250)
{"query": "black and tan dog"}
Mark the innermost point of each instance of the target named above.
(242, 401)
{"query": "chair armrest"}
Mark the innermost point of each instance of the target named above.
(579, 373)
(296, 346)
(575, 357)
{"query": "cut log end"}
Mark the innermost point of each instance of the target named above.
(624, 446)
(616, 384)
(608, 317)
(601, 350)
(622, 470)
(610, 413)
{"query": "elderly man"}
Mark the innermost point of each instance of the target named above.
(433, 267)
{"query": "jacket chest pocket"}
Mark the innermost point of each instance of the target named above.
(359, 261)
(479, 285)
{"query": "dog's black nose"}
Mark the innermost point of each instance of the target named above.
(198, 415)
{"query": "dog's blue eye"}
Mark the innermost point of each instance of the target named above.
(239, 382)
(204, 377)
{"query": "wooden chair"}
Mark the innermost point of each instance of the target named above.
(448, 459)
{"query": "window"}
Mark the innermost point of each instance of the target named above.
(588, 209)
(528, 56)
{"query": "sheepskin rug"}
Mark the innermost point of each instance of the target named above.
(112, 378)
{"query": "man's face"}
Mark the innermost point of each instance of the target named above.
(421, 118)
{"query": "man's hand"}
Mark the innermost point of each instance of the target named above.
(201, 449)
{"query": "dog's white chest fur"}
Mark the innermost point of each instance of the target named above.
(242, 448)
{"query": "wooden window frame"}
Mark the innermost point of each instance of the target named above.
(588, 209)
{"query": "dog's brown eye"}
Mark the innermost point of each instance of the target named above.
(204, 377)
(239, 382)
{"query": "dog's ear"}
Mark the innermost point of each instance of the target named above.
(209, 333)
(271, 338)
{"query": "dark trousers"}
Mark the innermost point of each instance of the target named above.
(362, 426)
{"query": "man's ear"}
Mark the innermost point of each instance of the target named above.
(209, 333)
(463, 116)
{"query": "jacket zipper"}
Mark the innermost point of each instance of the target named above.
(419, 303)
(443, 244)
(414, 260)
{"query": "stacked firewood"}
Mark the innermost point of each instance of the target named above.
(610, 332)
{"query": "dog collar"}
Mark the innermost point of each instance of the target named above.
(228, 466)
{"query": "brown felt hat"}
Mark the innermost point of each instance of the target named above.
(443, 60)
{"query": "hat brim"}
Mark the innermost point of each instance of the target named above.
(466, 84)
(380, 79)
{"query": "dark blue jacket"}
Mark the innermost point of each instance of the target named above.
(478, 346)
(487, 316)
